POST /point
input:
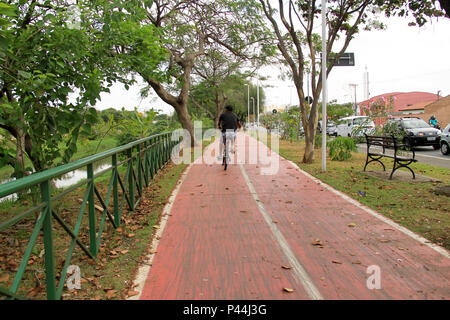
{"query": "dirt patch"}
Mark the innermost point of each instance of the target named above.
(442, 190)
(399, 175)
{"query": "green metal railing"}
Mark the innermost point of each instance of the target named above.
(142, 160)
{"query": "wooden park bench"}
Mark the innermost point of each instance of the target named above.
(401, 160)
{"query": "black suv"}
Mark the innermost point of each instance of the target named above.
(416, 132)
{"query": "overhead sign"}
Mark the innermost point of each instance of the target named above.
(346, 60)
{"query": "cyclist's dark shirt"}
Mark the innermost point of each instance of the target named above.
(229, 121)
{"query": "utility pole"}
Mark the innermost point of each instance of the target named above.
(324, 85)
(248, 102)
(257, 104)
(253, 103)
(354, 85)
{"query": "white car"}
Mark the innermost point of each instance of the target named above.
(355, 126)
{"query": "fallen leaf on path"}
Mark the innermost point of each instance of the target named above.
(352, 224)
(336, 261)
(286, 267)
(289, 201)
(385, 240)
(110, 294)
(132, 293)
(288, 290)
(243, 211)
(4, 277)
(356, 262)
(317, 242)
(199, 185)
(155, 227)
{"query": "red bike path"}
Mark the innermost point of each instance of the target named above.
(245, 234)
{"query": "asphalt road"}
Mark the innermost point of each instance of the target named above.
(423, 155)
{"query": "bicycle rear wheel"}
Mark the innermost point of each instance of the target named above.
(225, 153)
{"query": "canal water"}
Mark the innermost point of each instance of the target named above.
(65, 180)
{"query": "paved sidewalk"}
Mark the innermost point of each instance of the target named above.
(241, 234)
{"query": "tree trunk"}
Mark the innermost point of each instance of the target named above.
(308, 156)
(186, 122)
(20, 154)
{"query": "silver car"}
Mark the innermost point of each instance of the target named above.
(445, 140)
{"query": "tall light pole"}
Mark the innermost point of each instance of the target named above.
(324, 85)
(354, 85)
(253, 102)
(257, 99)
(248, 101)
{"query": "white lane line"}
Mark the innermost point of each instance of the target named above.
(377, 215)
(144, 270)
(300, 274)
(435, 157)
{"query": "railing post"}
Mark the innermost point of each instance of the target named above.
(48, 242)
(159, 153)
(152, 158)
(146, 156)
(91, 210)
(166, 147)
(115, 172)
(139, 169)
(130, 179)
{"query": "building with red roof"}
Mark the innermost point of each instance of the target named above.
(399, 103)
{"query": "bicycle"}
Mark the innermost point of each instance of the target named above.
(225, 151)
(226, 144)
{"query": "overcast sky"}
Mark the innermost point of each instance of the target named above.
(399, 59)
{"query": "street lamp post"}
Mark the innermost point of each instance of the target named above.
(253, 103)
(324, 85)
(257, 98)
(355, 107)
(248, 102)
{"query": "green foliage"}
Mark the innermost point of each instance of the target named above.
(213, 93)
(137, 125)
(393, 128)
(341, 148)
(286, 122)
(53, 70)
(318, 141)
(336, 111)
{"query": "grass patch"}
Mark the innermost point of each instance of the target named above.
(412, 205)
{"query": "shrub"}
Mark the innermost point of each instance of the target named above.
(392, 128)
(341, 148)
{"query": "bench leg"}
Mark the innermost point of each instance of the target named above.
(372, 160)
(401, 166)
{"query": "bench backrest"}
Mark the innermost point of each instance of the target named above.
(382, 141)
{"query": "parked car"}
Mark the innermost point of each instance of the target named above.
(331, 128)
(355, 126)
(417, 132)
(445, 140)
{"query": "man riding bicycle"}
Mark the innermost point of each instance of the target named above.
(228, 123)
